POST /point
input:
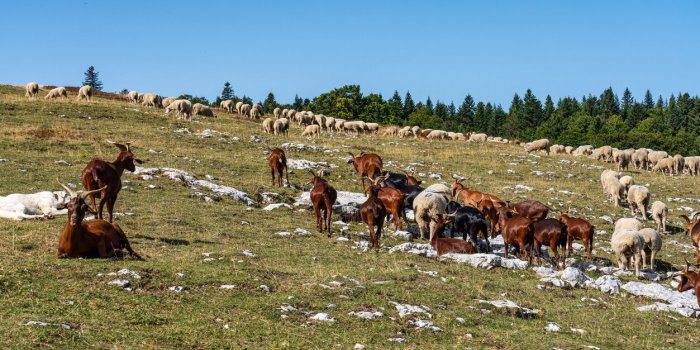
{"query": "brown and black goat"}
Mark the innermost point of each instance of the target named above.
(552, 233)
(532, 209)
(448, 245)
(690, 280)
(366, 164)
(373, 212)
(517, 230)
(323, 196)
(107, 175)
(393, 201)
(278, 163)
(91, 239)
(578, 229)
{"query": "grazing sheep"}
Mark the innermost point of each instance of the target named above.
(151, 100)
(372, 128)
(339, 125)
(256, 113)
(623, 161)
(281, 126)
(426, 206)
(627, 224)
(663, 165)
(659, 212)
(268, 125)
(85, 93)
(538, 145)
(277, 112)
(584, 150)
(56, 93)
(133, 97)
(183, 108)
(416, 131)
(245, 110)
(226, 105)
(167, 101)
(640, 158)
(655, 156)
(203, 110)
(330, 124)
(678, 164)
(312, 130)
(638, 196)
(285, 112)
(437, 135)
(652, 245)
(569, 150)
(628, 244)
(478, 138)
(405, 132)
(626, 181)
(320, 119)
(692, 164)
(612, 186)
(557, 149)
(32, 89)
(239, 105)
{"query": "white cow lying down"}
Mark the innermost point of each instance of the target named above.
(33, 206)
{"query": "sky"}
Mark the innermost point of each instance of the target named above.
(441, 49)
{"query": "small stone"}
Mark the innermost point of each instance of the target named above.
(552, 327)
(359, 346)
(265, 288)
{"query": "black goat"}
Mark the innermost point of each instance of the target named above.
(468, 221)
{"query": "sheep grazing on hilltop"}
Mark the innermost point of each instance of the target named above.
(628, 244)
(312, 130)
(640, 159)
(623, 161)
(245, 110)
(256, 113)
(183, 108)
(281, 126)
(226, 105)
(268, 125)
(167, 101)
(557, 149)
(151, 100)
(692, 164)
(277, 112)
(659, 212)
(612, 186)
(652, 245)
(320, 119)
(638, 196)
(437, 135)
(32, 90)
(656, 156)
(330, 124)
(626, 181)
(391, 131)
(372, 128)
(538, 145)
(56, 93)
(133, 97)
(339, 125)
(569, 150)
(580, 151)
(481, 138)
(663, 165)
(203, 110)
(239, 105)
(678, 164)
(85, 93)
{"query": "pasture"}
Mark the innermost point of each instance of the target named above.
(201, 245)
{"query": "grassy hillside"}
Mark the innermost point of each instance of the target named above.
(178, 232)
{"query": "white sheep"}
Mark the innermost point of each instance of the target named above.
(640, 158)
(627, 224)
(557, 149)
(330, 124)
(678, 164)
(655, 156)
(426, 206)
(85, 93)
(538, 145)
(268, 125)
(226, 105)
(33, 206)
(167, 101)
(245, 110)
(56, 93)
(239, 105)
(256, 113)
(416, 131)
(277, 112)
(626, 181)
(285, 112)
(652, 245)
(312, 130)
(692, 164)
(480, 138)
(133, 97)
(659, 212)
(281, 126)
(151, 100)
(437, 135)
(203, 110)
(320, 119)
(372, 127)
(581, 151)
(663, 165)
(623, 161)
(638, 196)
(183, 108)
(391, 131)
(32, 90)
(569, 150)
(339, 125)
(628, 244)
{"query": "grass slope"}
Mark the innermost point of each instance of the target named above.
(173, 230)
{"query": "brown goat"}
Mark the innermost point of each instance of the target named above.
(102, 174)
(373, 212)
(278, 163)
(92, 239)
(448, 245)
(578, 229)
(471, 197)
(693, 229)
(690, 280)
(531, 209)
(393, 201)
(323, 196)
(552, 233)
(490, 212)
(517, 230)
(369, 165)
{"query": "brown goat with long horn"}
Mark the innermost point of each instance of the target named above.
(107, 175)
(373, 211)
(91, 239)
(366, 164)
(323, 196)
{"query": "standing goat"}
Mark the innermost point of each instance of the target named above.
(373, 212)
(322, 195)
(92, 239)
(369, 165)
(107, 176)
(278, 163)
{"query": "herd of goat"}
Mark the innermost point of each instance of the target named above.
(523, 225)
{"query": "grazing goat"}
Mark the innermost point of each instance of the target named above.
(448, 245)
(92, 239)
(490, 212)
(552, 233)
(469, 221)
(278, 163)
(323, 196)
(472, 198)
(517, 230)
(102, 174)
(579, 229)
(693, 229)
(396, 180)
(369, 165)
(532, 209)
(373, 212)
(34, 205)
(690, 280)
(394, 201)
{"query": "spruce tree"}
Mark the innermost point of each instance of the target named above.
(394, 108)
(429, 105)
(408, 105)
(627, 101)
(648, 100)
(465, 113)
(92, 78)
(227, 92)
(270, 104)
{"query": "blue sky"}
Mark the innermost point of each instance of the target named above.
(441, 49)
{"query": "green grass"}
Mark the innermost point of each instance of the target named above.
(173, 230)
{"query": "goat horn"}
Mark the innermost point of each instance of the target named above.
(87, 193)
(312, 172)
(119, 145)
(351, 155)
(687, 265)
(70, 191)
